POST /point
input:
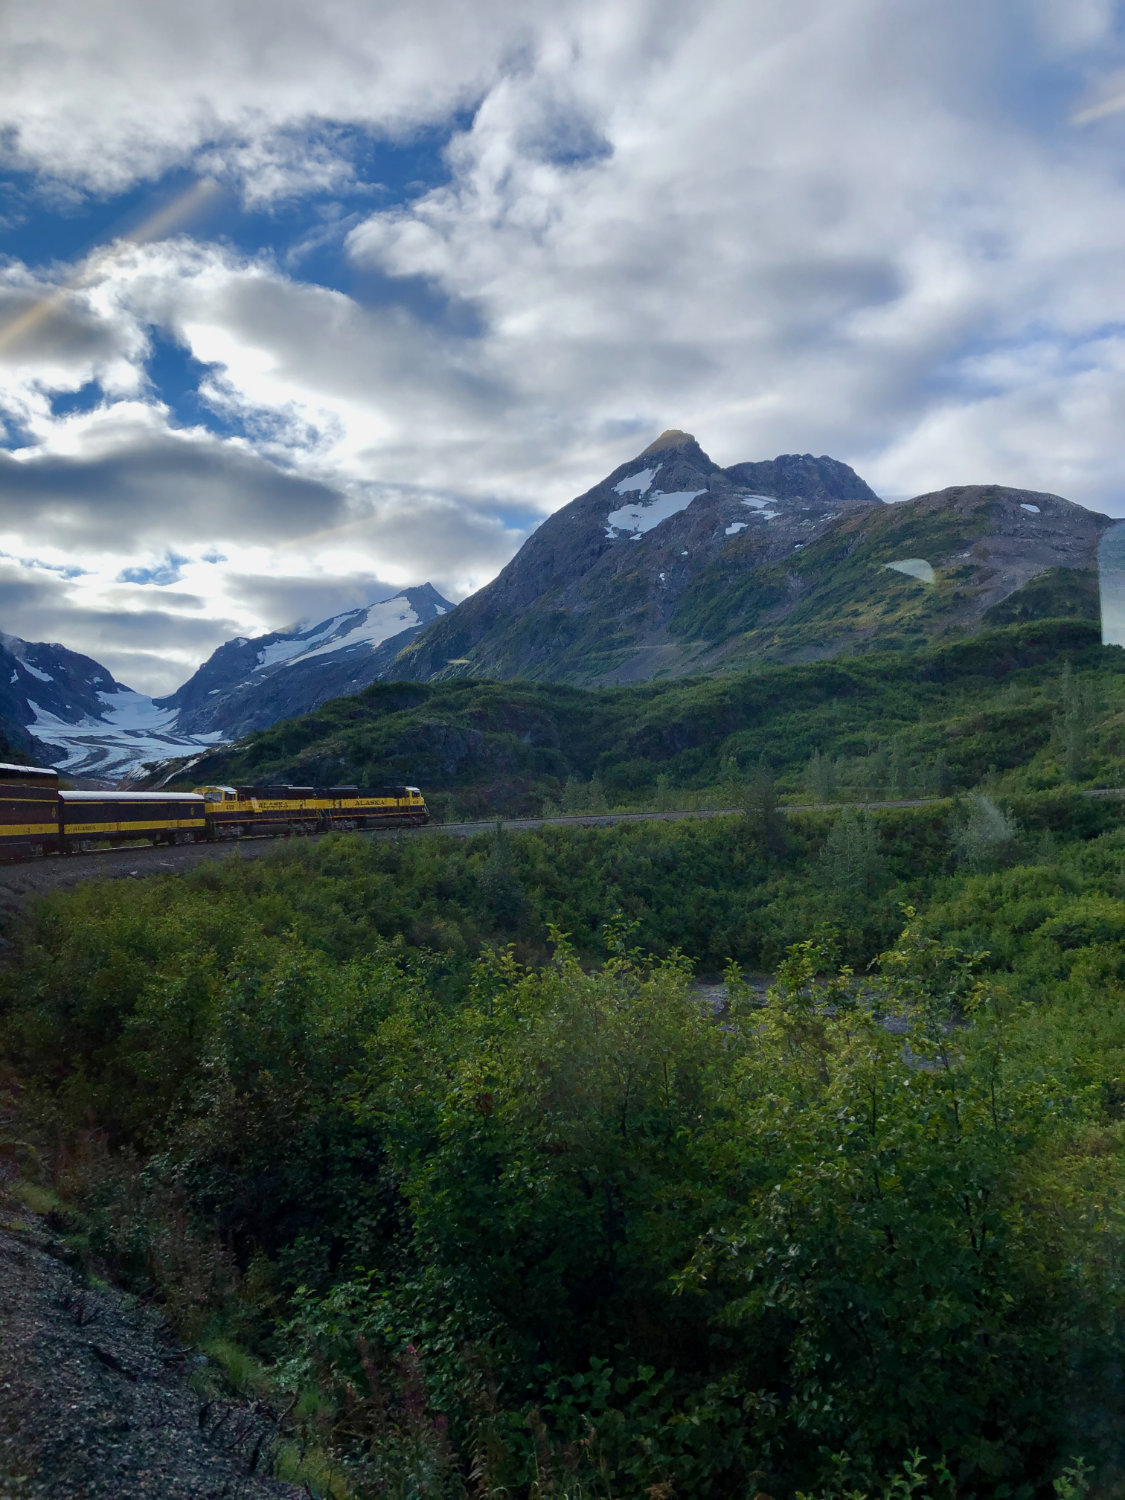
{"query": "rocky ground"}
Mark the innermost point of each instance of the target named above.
(97, 1400)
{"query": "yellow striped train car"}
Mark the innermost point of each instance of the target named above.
(90, 819)
(29, 812)
(36, 818)
(235, 812)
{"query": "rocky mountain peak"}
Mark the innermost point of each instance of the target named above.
(249, 684)
(800, 476)
(595, 589)
(672, 437)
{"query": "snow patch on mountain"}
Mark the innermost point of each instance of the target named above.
(368, 626)
(250, 683)
(635, 520)
(640, 482)
(762, 505)
(293, 645)
(84, 722)
(372, 626)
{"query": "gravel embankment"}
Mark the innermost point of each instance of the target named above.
(96, 1400)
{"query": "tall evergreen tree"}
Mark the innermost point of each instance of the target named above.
(1074, 722)
(820, 777)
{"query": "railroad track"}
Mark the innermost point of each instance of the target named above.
(19, 881)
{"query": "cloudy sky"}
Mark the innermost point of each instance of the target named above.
(300, 304)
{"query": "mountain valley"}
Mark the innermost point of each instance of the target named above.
(65, 709)
(670, 567)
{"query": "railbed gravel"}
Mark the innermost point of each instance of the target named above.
(96, 1398)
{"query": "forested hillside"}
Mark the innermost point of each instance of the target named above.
(482, 1209)
(1042, 702)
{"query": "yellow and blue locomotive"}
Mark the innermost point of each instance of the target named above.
(36, 817)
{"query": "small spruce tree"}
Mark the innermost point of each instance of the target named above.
(1074, 722)
(573, 796)
(850, 865)
(731, 782)
(820, 777)
(765, 822)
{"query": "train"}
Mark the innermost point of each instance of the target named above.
(38, 817)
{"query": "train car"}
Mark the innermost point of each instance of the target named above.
(393, 806)
(37, 818)
(235, 812)
(29, 812)
(92, 818)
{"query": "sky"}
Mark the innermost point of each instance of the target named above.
(303, 304)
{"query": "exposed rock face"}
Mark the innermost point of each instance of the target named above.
(250, 684)
(593, 593)
(65, 709)
(673, 565)
(97, 1401)
(68, 711)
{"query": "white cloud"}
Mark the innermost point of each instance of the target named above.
(840, 226)
(103, 96)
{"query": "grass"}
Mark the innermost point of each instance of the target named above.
(39, 1200)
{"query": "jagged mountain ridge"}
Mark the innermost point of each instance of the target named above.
(62, 708)
(674, 565)
(67, 710)
(591, 595)
(249, 684)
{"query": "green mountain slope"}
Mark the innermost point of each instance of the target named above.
(672, 566)
(992, 560)
(908, 722)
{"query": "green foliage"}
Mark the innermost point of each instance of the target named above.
(850, 865)
(947, 717)
(532, 1222)
(983, 835)
(820, 777)
(506, 1212)
(1075, 722)
(765, 822)
(1056, 594)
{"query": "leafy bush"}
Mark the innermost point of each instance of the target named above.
(543, 1226)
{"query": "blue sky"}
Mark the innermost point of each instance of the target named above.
(301, 306)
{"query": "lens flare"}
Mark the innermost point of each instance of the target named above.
(914, 567)
(168, 218)
(1100, 111)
